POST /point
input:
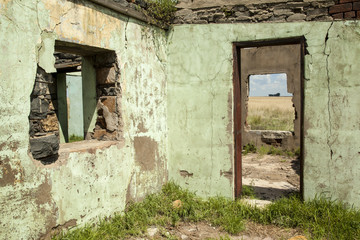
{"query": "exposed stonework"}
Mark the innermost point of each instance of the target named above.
(108, 124)
(44, 127)
(280, 11)
(279, 139)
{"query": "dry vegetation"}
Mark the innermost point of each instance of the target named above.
(271, 113)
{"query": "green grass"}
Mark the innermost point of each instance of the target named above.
(248, 191)
(162, 10)
(269, 150)
(319, 218)
(74, 138)
(249, 148)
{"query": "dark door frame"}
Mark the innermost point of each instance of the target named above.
(237, 46)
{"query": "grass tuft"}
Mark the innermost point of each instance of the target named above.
(319, 218)
(74, 138)
(248, 191)
(162, 10)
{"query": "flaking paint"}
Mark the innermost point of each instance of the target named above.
(82, 185)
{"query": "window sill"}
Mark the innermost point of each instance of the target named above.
(89, 146)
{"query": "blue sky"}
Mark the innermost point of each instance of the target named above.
(263, 85)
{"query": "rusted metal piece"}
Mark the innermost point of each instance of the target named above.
(237, 120)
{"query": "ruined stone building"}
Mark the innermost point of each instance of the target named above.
(162, 103)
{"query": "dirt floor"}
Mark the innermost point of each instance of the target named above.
(271, 177)
(195, 231)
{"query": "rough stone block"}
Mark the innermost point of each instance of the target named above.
(99, 134)
(107, 91)
(296, 17)
(42, 76)
(50, 124)
(43, 147)
(340, 8)
(106, 75)
(39, 105)
(100, 122)
(183, 12)
(317, 12)
(35, 127)
(286, 12)
(109, 102)
(40, 88)
(105, 60)
(102, 134)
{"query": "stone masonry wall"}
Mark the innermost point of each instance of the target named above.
(109, 122)
(44, 125)
(285, 11)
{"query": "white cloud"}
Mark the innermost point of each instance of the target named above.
(263, 85)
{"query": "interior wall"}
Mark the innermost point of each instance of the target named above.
(200, 109)
(93, 180)
(273, 59)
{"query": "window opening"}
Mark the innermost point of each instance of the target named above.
(270, 105)
(80, 101)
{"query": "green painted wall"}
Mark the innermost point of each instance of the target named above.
(177, 108)
(75, 96)
(88, 94)
(62, 107)
(93, 181)
(200, 105)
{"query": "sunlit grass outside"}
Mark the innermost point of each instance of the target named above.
(271, 113)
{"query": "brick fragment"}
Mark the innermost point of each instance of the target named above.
(358, 15)
(346, 1)
(338, 16)
(340, 8)
(356, 6)
(348, 15)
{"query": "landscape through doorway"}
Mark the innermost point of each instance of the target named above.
(268, 156)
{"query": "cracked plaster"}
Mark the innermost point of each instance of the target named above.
(330, 102)
(85, 184)
(190, 127)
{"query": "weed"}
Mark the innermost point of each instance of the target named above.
(271, 150)
(74, 138)
(319, 218)
(162, 10)
(248, 191)
(249, 148)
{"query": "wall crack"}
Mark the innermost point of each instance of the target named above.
(327, 54)
(126, 25)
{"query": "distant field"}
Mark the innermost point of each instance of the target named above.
(270, 113)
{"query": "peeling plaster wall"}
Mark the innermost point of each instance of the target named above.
(200, 109)
(94, 182)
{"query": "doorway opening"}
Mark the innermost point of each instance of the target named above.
(268, 96)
